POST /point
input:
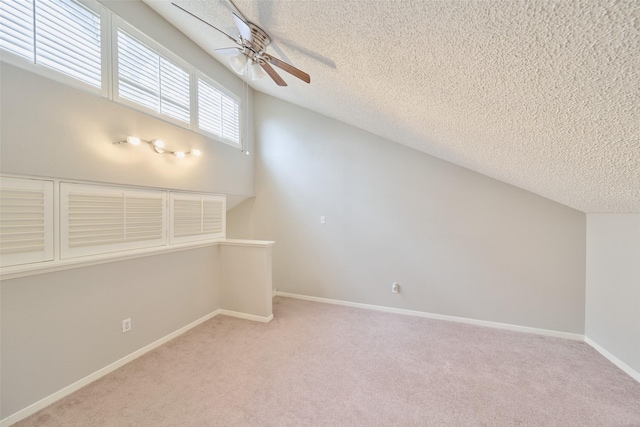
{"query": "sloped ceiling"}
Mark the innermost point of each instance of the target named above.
(544, 95)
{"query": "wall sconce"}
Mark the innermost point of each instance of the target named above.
(158, 146)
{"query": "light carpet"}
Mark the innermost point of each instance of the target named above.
(325, 365)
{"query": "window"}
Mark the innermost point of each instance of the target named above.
(147, 78)
(97, 220)
(218, 113)
(87, 46)
(60, 34)
(197, 217)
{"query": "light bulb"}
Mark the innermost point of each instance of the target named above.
(179, 154)
(133, 140)
(246, 152)
(256, 71)
(238, 62)
(158, 143)
(196, 152)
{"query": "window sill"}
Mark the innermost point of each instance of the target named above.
(25, 270)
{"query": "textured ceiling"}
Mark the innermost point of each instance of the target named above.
(544, 95)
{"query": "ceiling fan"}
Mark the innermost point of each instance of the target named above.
(251, 47)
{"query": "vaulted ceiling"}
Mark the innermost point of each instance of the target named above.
(544, 95)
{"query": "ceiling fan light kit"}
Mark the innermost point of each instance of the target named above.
(238, 62)
(256, 71)
(251, 54)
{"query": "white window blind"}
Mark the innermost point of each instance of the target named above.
(26, 221)
(67, 36)
(16, 27)
(197, 217)
(96, 219)
(218, 113)
(149, 79)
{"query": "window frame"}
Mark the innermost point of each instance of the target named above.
(118, 23)
(200, 75)
(61, 77)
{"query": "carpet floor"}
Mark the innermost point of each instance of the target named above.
(326, 365)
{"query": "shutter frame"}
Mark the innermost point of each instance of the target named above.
(99, 219)
(196, 217)
(26, 221)
(165, 88)
(218, 111)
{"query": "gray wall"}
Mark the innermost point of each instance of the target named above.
(458, 243)
(59, 327)
(53, 130)
(613, 285)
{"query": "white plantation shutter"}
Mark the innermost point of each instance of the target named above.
(149, 79)
(60, 34)
(218, 113)
(68, 39)
(16, 27)
(26, 221)
(197, 217)
(96, 219)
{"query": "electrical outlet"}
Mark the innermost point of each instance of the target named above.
(323, 219)
(395, 287)
(126, 325)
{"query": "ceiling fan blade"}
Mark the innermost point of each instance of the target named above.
(272, 73)
(228, 51)
(202, 20)
(288, 68)
(244, 29)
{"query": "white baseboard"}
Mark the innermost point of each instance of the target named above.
(613, 359)
(32, 409)
(246, 316)
(486, 323)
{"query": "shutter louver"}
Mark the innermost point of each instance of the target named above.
(26, 221)
(187, 216)
(218, 113)
(96, 220)
(197, 217)
(68, 40)
(145, 219)
(16, 27)
(138, 72)
(230, 122)
(212, 216)
(174, 87)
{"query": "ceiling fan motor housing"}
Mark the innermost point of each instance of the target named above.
(258, 45)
